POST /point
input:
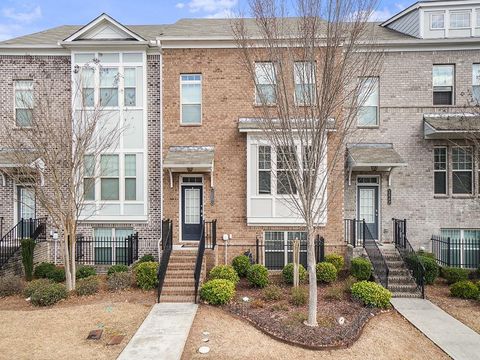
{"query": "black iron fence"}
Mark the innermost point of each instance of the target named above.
(210, 234)
(167, 246)
(456, 252)
(104, 250)
(199, 260)
(379, 264)
(353, 232)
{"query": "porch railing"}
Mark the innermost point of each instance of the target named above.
(167, 246)
(380, 267)
(199, 261)
(456, 252)
(353, 232)
(209, 232)
(408, 253)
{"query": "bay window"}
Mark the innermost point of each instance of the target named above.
(462, 170)
(286, 165)
(443, 84)
(264, 169)
(130, 177)
(109, 177)
(265, 83)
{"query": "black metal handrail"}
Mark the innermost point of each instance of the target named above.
(408, 254)
(353, 232)
(380, 267)
(210, 234)
(167, 246)
(199, 260)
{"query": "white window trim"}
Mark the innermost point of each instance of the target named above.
(313, 83)
(15, 100)
(431, 14)
(285, 245)
(460, 11)
(377, 124)
(446, 171)
(201, 98)
(453, 83)
(255, 102)
(180, 184)
(472, 171)
(113, 243)
(264, 170)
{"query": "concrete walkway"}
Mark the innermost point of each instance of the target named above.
(456, 339)
(163, 333)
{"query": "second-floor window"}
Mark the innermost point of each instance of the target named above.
(130, 177)
(24, 102)
(89, 177)
(459, 19)
(462, 170)
(440, 171)
(369, 99)
(191, 99)
(264, 169)
(443, 84)
(109, 181)
(304, 74)
(476, 84)
(265, 84)
(437, 21)
(286, 163)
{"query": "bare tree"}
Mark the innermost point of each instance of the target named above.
(56, 145)
(308, 72)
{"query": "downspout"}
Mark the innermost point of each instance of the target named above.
(159, 44)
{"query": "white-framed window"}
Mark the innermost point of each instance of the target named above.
(459, 19)
(130, 86)
(88, 86)
(464, 246)
(109, 177)
(437, 21)
(369, 100)
(265, 83)
(476, 83)
(24, 102)
(279, 248)
(111, 246)
(130, 176)
(89, 177)
(286, 160)
(440, 159)
(264, 169)
(304, 76)
(462, 170)
(191, 99)
(443, 84)
(477, 18)
(109, 79)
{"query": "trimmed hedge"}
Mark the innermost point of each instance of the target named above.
(241, 264)
(371, 294)
(117, 269)
(361, 268)
(226, 272)
(11, 285)
(258, 276)
(453, 274)
(48, 294)
(119, 281)
(217, 291)
(57, 275)
(42, 269)
(287, 273)
(85, 272)
(465, 289)
(431, 268)
(146, 275)
(326, 272)
(335, 259)
(87, 286)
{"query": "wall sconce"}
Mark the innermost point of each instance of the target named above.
(212, 196)
(389, 196)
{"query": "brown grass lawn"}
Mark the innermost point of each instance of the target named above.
(60, 331)
(386, 336)
(466, 311)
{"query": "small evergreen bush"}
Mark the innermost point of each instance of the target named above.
(146, 275)
(226, 272)
(371, 294)
(335, 259)
(117, 269)
(241, 264)
(119, 281)
(361, 268)
(217, 291)
(28, 248)
(147, 258)
(11, 285)
(453, 274)
(299, 296)
(465, 289)
(258, 276)
(430, 265)
(87, 286)
(48, 294)
(326, 272)
(272, 292)
(42, 269)
(287, 273)
(85, 271)
(32, 286)
(57, 274)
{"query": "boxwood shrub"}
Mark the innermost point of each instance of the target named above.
(453, 274)
(146, 275)
(226, 272)
(465, 289)
(32, 286)
(48, 294)
(57, 274)
(326, 272)
(287, 273)
(117, 269)
(241, 264)
(147, 258)
(361, 268)
(371, 294)
(87, 286)
(335, 259)
(42, 269)
(431, 268)
(258, 276)
(217, 291)
(85, 271)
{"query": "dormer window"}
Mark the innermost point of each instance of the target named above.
(437, 21)
(459, 19)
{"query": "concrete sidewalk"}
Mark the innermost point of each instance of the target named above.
(456, 339)
(163, 333)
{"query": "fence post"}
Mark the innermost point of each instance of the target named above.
(256, 250)
(448, 251)
(354, 225)
(364, 224)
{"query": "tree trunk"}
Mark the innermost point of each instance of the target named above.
(312, 279)
(73, 265)
(66, 260)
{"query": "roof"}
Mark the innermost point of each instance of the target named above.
(381, 156)
(450, 125)
(184, 157)
(12, 158)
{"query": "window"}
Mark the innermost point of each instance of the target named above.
(265, 81)
(462, 170)
(89, 177)
(279, 248)
(109, 86)
(129, 87)
(440, 171)
(111, 245)
(459, 19)
(437, 21)
(443, 80)
(304, 74)
(476, 83)
(130, 177)
(286, 163)
(23, 102)
(464, 246)
(109, 177)
(477, 24)
(368, 97)
(264, 169)
(191, 99)
(88, 86)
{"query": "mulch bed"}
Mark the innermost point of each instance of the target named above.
(284, 321)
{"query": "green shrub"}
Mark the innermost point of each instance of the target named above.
(87, 286)
(147, 258)
(119, 281)
(117, 269)
(348, 283)
(241, 264)
(257, 276)
(32, 286)
(361, 268)
(299, 296)
(85, 271)
(48, 294)
(326, 272)
(426, 254)
(474, 275)
(217, 291)
(272, 292)
(371, 294)
(453, 274)
(57, 274)
(335, 259)
(11, 285)
(465, 289)
(42, 269)
(429, 263)
(226, 272)
(287, 273)
(28, 248)
(146, 275)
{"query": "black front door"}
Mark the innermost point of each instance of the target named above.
(192, 206)
(367, 200)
